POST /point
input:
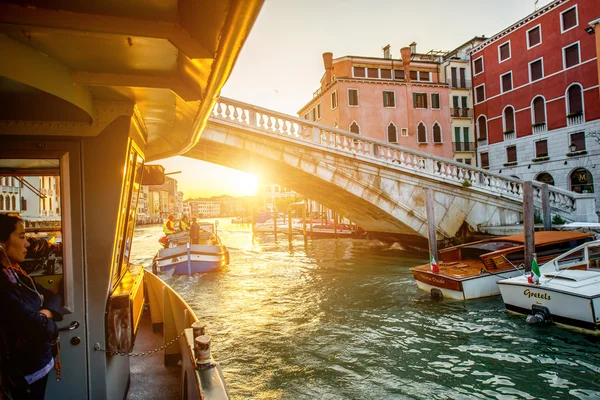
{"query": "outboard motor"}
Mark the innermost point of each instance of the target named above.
(539, 315)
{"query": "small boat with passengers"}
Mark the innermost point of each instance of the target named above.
(187, 258)
(567, 290)
(472, 270)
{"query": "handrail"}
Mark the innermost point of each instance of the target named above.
(563, 202)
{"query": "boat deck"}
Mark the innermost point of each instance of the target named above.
(149, 375)
(465, 269)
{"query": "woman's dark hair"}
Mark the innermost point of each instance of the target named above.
(8, 224)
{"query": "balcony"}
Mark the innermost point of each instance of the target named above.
(539, 127)
(463, 146)
(575, 119)
(459, 84)
(509, 135)
(482, 141)
(461, 112)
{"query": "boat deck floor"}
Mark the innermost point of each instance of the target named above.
(463, 269)
(150, 378)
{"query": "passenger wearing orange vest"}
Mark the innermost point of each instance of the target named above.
(169, 226)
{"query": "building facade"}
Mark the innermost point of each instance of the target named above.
(537, 103)
(455, 70)
(400, 101)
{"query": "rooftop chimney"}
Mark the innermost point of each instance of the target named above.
(405, 53)
(413, 47)
(328, 63)
(386, 52)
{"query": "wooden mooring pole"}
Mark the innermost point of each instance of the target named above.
(304, 219)
(429, 203)
(528, 223)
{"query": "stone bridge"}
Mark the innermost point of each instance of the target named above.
(379, 186)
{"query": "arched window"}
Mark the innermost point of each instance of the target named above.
(482, 127)
(14, 203)
(437, 133)
(7, 203)
(574, 101)
(539, 111)
(1, 202)
(508, 118)
(421, 133)
(545, 177)
(392, 133)
(354, 128)
(582, 181)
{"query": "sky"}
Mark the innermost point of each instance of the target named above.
(280, 65)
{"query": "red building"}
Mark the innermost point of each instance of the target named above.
(537, 103)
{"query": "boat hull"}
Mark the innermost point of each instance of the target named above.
(201, 259)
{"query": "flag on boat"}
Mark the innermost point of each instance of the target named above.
(434, 266)
(535, 272)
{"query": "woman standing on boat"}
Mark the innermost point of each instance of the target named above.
(28, 332)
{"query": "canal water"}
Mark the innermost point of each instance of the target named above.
(343, 319)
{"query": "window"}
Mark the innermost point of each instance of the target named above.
(373, 72)
(420, 100)
(568, 19)
(478, 65)
(466, 139)
(389, 99)
(539, 111)
(437, 133)
(354, 128)
(536, 70)
(506, 82)
(511, 154)
(534, 36)
(392, 133)
(334, 100)
(485, 160)
(318, 112)
(509, 119)
(404, 132)
(578, 139)
(414, 75)
(386, 73)
(468, 161)
(399, 74)
(358, 72)
(541, 149)
(504, 52)
(435, 101)
(480, 93)
(574, 101)
(421, 133)
(353, 97)
(582, 181)
(545, 177)
(482, 127)
(571, 55)
(424, 76)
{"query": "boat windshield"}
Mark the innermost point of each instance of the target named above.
(474, 251)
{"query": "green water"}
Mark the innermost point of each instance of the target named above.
(343, 319)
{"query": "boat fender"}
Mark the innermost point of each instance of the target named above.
(437, 294)
(539, 315)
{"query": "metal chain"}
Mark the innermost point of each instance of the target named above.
(143, 353)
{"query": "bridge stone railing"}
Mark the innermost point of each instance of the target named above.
(569, 205)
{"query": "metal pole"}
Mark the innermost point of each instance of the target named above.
(431, 224)
(546, 207)
(528, 223)
(310, 212)
(189, 259)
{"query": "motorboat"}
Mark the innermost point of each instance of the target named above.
(472, 270)
(272, 222)
(330, 230)
(94, 93)
(187, 258)
(567, 291)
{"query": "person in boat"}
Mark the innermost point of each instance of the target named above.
(28, 330)
(169, 226)
(184, 224)
(194, 232)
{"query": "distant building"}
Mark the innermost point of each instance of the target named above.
(395, 100)
(9, 194)
(269, 193)
(168, 200)
(537, 103)
(455, 70)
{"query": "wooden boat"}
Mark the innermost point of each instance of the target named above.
(568, 291)
(185, 258)
(91, 92)
(472, 270)
(330, 230)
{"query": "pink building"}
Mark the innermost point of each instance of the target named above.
(398, 101)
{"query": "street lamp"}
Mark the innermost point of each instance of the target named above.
(572, 147)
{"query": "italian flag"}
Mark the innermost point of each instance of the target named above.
(433, 264)
(535, 272)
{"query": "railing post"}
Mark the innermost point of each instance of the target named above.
(546, 207)
(431, 228)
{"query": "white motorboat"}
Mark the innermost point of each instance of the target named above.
(568, 291)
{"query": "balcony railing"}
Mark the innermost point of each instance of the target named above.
(509, 135)
(575, 119)
(539, 127)
(461, 112)
(482, 141)
(459, 84)
(463, 146)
